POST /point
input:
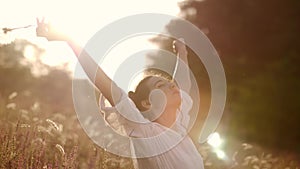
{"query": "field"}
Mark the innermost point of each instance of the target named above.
(31, 138)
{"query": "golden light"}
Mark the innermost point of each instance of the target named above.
(80, 19)
(220, 154)
(214, 140)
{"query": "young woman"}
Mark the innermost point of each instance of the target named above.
(169, 147)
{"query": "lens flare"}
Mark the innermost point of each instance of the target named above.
(220, 154)
(215, 140)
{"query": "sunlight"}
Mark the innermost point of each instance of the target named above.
(119, 53)
(57, 53)
(79, 19)
(214, 140)
(87, 17)
(125, 49)
(29, 53)
(220, 154)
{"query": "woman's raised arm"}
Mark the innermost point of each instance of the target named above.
(182, 71)
(95, 73)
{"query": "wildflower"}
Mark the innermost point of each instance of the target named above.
(234, 156)
(254, 159)
(39, 141)
(23, 111)
(12, 95)
(11, 106)
(61, 149)
(41, 129)
(24, 125)
(35, 119)
(35, 106)
(53, 124)
(247, 146)
(208, 163)
(269, 156)
(255, 167)
(24, 114)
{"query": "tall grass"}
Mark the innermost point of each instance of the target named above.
(246, 156)
(30, 138)
(34, 137)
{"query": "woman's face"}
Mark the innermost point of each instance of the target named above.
(169, 88)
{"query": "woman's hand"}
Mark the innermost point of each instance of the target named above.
(182, 71)
(46, 30)
(179, 47)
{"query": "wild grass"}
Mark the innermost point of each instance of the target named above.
(246, 156)
(32, 137)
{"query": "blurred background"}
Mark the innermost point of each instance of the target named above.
(258, 44)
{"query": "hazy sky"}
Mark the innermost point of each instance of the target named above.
(70, 15)
(80, 19)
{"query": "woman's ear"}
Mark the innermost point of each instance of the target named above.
(146, 104)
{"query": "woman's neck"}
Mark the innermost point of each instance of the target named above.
(168, 117)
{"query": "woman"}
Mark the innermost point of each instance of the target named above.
(157, 109)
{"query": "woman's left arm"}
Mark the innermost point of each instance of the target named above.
(182, 70)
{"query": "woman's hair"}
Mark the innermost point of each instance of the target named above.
(142, 90)
(141, 93)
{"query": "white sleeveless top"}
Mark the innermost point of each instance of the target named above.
(160, 147)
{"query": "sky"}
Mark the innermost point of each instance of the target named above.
(80, 19)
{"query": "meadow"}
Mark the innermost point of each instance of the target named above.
(31, 138)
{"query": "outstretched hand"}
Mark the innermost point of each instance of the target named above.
(179, 47)
(46, 30)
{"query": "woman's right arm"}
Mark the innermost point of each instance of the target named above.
(95, 73)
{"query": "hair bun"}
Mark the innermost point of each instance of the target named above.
(131, 95)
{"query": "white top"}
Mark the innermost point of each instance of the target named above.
(161, 147)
